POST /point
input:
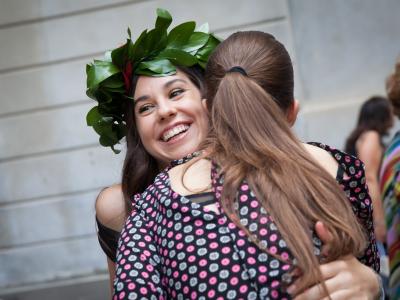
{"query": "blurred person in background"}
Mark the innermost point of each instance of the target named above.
(390, 187)
(365, 142)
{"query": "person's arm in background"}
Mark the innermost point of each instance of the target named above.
(110, 213)
(370, 152)
(346, 278)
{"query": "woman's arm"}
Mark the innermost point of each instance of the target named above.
(370, 151)
(345, 278)
(110, 213)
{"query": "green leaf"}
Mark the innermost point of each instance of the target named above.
(138, 50)
(179, 57)
(158, 66)
(164, 18)
(156, 40)
(121, 55)
(203, 28)
(113, 82)
(93, 116)
(107, 56)
(196, 41)
(129, 33)
(180, 35)
(99, 71)
(206, 50)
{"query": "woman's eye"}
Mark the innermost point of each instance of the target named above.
(145, 108)
(176, 93)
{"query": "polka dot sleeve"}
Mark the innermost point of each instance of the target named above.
(138, 263)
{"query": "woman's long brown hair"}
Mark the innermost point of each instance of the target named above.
(251, 140)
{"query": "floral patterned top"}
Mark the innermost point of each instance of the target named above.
(171, 247)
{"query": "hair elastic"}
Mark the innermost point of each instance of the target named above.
(237, 69)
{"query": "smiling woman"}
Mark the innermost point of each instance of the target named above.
(170, 116)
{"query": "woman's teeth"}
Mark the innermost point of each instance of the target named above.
(174, 131)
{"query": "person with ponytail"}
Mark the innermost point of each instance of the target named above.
(244, 217)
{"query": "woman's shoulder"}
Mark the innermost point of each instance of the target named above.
(324, 156)
(110, 207)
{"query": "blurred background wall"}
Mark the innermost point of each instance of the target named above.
(51, 166)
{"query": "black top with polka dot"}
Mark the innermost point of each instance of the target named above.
(173, 248)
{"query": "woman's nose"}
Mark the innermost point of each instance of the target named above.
(166, 110)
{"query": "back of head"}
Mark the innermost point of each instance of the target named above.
(375, 114)
(249, 83)
(393, 89)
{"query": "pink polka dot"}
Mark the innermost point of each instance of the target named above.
(185, 289)
(225, 261)
(203, 262)
(145, 275)
(231, 225)
(251, 260)
(213, 280)
(273, 250)
(174, 205)
(254, 203)
(263, 220)
(226, 250)
(174, 264)
(243, 198)
(275, 283)
(243, 289)
(221, 221)
(254, 215)
(245, 187)
(193, 295)
(176, 274)
(263, 231)
(273, 237)
(192, 258)
(122, 295)
(212, 235)
(126, 252)
(236, 268)
(274, 294)
(147, 238)
(131, 286)
(170, 234)
(214, 245)
(149, 268)
(179, 246)
(184, 277)
(178, 236)
(127, 266)
(241, 242)
(262, 279)
(184, 209)
(285, 255)
(199, 231)
(123, 275)
(203, 274)
(262, 269)
(251, 250)
(198, 223)
(190, 248)
(285, 267)
(211, 293)
(234, 280)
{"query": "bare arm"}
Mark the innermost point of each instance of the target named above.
(110, 211)
(370, 152)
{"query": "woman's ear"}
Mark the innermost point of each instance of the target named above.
(204, 103)
(292, 112)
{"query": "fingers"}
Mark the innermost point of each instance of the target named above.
(324, 235)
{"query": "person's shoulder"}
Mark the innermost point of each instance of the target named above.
(110, 207)
(369, 137)
(323, 155)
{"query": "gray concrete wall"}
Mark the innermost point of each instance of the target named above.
(51, 167)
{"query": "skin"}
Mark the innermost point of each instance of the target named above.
(370, 151)
(164, 106)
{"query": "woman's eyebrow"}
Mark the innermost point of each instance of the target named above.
(169, 83)
(141, 98)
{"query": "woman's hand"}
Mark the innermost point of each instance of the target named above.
(345, 278)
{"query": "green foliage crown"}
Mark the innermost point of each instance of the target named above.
(155, 53)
